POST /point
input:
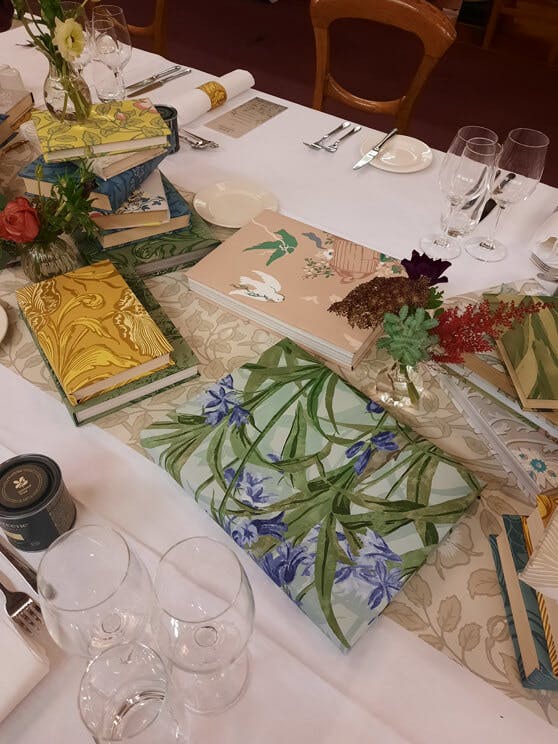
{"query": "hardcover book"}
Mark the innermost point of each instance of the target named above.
(336, 501)
(115, 127)
(530, 353)
(107, 194)
(14, 106)
(184, 366)
(522, 608)
(179, 218)
(146, 206)
(107, 166)
(93, 330)
(284, 274)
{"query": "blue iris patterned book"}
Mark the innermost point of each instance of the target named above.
(335, 500)
(107, 195)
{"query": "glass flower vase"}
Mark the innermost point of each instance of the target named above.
(67, 95)
(399, 385)
(42, 260)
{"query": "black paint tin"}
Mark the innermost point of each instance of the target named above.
(35, 506)
(170, 116)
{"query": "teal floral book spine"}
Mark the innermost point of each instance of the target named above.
(336, 501)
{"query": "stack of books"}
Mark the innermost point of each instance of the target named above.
(126, 141)
(15, 106)
(532, 617)
(104, 339)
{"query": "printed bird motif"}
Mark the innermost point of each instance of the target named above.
(267, 290)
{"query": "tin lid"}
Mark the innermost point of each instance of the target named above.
(26, 482)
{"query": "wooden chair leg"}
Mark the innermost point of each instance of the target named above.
(492, 23)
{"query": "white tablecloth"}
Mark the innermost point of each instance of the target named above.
(391, 687)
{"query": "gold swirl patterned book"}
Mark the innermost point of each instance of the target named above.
(115, 127)
(94, 332)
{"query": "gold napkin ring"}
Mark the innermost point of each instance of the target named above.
(215, 92)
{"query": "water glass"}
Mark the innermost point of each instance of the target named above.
(126, 695)
(202, 621)
(113, 49)
(520, 168)
(93, 591)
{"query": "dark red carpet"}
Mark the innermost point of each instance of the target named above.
(498, 89)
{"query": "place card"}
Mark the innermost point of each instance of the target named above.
(247, 116)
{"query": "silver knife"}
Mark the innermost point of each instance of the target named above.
(28, 573)
(375, 151)
(153, 78)
(159, 83)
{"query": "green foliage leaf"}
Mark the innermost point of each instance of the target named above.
(267, 245)
(326, 563)
(287, 238)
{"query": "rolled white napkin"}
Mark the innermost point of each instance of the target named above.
(24, 664)
(546, 240)
(212, 94)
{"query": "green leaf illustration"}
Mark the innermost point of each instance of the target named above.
(268, 245)
(288, 239)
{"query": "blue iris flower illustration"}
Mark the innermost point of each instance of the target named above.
(373, 407)
(221, 401)
(246, 532)
(384, 440)
(385, 585)
(250, 487)
(282, 563)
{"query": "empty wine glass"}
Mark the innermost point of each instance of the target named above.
(93, 591)
(126, 695)
(520, 168)
(464, 177)
(202, 620)
(113, 50)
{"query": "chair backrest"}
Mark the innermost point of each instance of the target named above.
(156, 29)
(415, 16)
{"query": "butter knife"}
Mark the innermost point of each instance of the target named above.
(159, 83)
(375, 151)
(28, 573)
(153, 78)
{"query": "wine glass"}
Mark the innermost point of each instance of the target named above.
(202, 620)
(126, 695)
(93, 591)
(464, 177)
(520, 168)
(113, 49)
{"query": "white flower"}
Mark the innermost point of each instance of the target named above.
(69, 38)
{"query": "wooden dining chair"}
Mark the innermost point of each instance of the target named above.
(418, 17)
(156, 29)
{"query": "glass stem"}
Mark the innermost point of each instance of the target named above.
(444, 239)
(490, 242)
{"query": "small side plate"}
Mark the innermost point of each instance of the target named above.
(233, 203)
(401, 154)
(3, 322)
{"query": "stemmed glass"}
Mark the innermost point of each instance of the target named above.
(126, 695)
(93, 591)
(113, 49)
(520, 168)
(464, 178)
(202, 620)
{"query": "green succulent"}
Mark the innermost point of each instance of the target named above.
(407, 338)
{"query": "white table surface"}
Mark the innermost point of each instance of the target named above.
(391, 687)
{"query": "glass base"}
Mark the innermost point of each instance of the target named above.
(440, 246)
(483, 250)
(215, 691)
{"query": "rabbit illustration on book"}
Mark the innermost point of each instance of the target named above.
(266, 290)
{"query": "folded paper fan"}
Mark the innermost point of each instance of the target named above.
(541, 571)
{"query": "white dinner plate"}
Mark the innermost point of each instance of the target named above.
(401, 154)
(3, 322)
(233, 203)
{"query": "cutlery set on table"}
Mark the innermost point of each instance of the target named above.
(19, 606)
(157, 80)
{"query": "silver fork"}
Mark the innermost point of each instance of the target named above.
(319, 143)
(23, 610)
(334, 145)
(540, 264)
(195, 141)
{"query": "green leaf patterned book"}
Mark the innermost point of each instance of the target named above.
(335, 500)
(115, 127)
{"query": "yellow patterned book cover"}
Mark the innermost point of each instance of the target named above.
(115, 127)
(94, 332)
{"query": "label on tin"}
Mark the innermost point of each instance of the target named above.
(23, 485)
